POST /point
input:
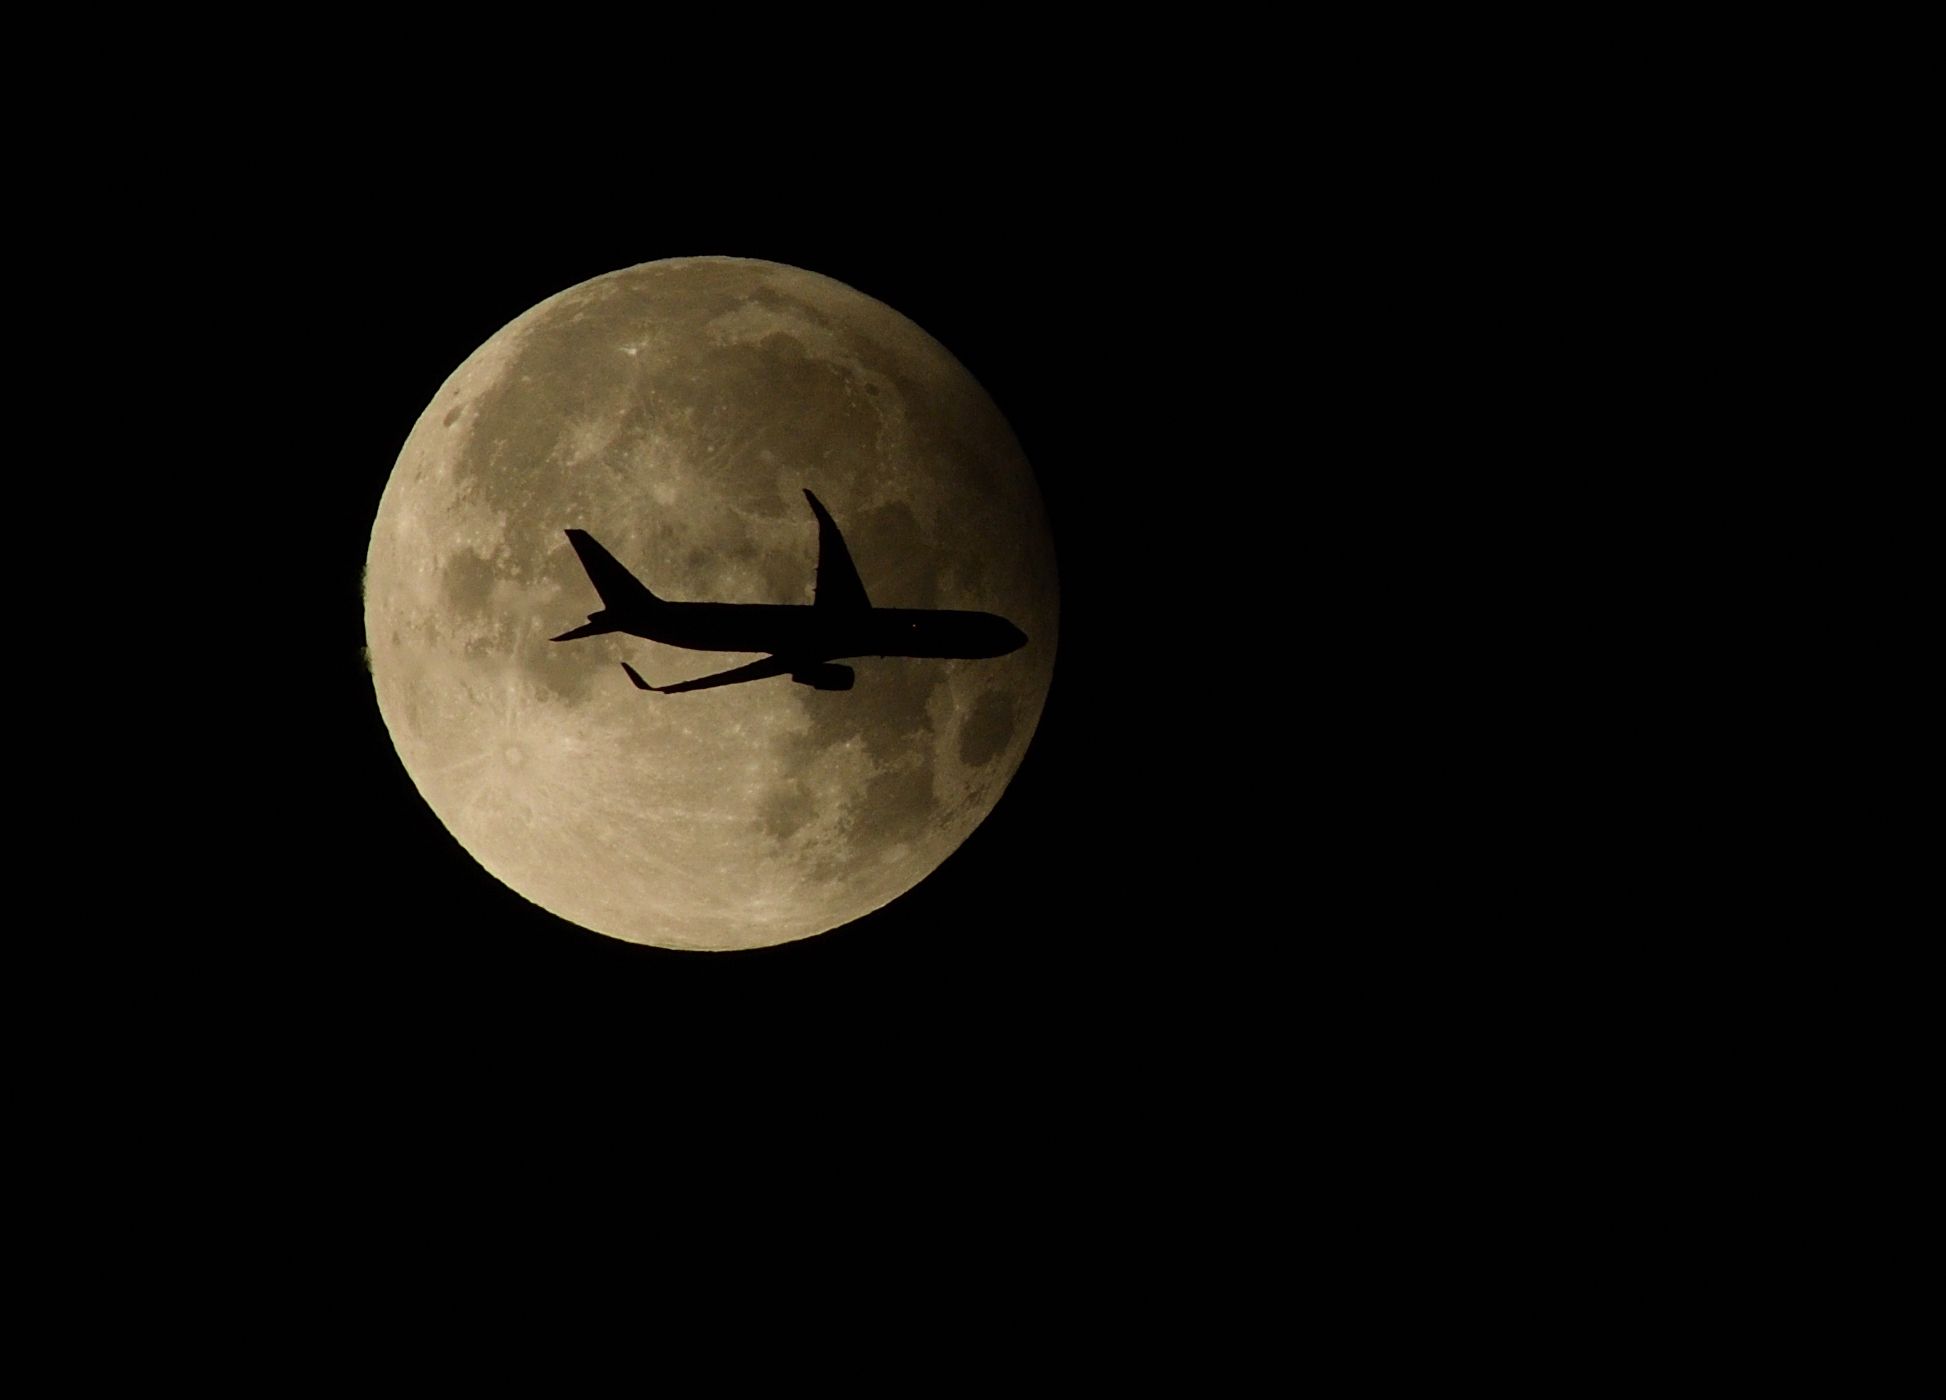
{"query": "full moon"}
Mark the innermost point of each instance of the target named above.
(677, 411)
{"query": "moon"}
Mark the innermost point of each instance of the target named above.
(677, 410)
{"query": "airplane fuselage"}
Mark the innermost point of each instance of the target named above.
(822, 634)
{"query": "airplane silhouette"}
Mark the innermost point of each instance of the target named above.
(802, 640)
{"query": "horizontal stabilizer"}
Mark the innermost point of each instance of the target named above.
(594, 627)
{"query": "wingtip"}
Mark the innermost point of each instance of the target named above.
(640, 684)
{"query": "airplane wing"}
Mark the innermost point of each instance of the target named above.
(755, 671)
(838, 585)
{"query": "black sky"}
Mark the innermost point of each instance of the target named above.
(1322, 909)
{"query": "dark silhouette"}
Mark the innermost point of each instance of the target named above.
(802, 641)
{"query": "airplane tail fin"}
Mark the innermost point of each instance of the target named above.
(619, 589)
(622, 594)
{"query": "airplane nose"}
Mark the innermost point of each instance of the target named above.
(1011, 638)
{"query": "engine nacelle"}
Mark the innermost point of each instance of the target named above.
(826, 677)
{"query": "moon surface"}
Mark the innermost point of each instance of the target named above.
(676, 410)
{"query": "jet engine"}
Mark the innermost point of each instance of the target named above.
(826, 677)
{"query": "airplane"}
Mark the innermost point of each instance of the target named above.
(803, 641)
